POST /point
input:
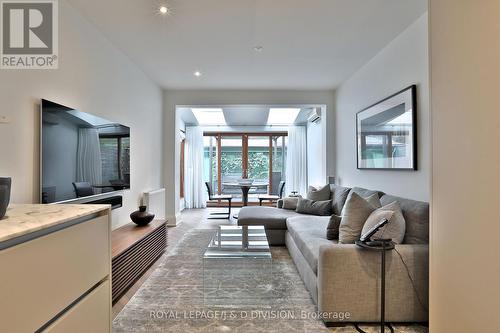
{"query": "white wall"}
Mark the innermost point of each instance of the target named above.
(400, 64)
(229, 97)
(94, 77)
(316, 158)
(465, 81)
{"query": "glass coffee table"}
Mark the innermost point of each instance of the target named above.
(237, 265)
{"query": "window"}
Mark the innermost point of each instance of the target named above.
(258, 161)
(229, 157)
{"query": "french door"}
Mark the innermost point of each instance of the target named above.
(230, 157)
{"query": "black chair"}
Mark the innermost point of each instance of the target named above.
(83, 189)
(212, 196)
(270, 197)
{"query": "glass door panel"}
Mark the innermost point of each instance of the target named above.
(231, 168)
(258, 163)
(231, 157)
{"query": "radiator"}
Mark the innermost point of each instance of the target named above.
(155, 201)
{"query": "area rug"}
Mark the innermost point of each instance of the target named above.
(176, 298)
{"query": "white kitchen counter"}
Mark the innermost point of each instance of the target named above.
(22, 220)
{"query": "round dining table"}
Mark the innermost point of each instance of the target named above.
(245, 188)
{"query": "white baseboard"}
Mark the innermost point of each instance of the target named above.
(173, 221)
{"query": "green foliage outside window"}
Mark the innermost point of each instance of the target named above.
(258, 165)
(231, 163)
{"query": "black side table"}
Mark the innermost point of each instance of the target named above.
(381, 245)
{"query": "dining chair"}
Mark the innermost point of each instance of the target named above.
(270, 197)
(212, 196)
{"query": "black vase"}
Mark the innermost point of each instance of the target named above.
(4, 195)
(141, 217)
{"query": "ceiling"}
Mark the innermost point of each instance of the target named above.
(244, 115)
(313, 44)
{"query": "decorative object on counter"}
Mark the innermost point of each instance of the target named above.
(141, 216)
(4, 195)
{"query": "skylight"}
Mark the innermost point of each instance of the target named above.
(282, 116)
(209, 116)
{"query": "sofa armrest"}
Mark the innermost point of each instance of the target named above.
(349, 281)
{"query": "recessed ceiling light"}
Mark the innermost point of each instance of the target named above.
(164, 10)
(197, 73)
(258, 48)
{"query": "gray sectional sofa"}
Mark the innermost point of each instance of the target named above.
(343, 279)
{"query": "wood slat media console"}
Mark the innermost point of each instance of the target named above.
(134, 249)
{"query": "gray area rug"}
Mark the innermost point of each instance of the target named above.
(180, 296)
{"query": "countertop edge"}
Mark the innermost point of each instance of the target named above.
(23, 231)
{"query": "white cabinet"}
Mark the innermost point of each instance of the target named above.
(91, 314)
(59, 282)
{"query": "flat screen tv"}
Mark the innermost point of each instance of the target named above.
(81, 154)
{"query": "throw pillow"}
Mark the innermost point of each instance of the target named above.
(311, 207)
(354, 215)
(396, 227)
(339, 196)
(332, 230)
(319, 194)
(290, 203)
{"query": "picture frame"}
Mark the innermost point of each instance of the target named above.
(386, 133)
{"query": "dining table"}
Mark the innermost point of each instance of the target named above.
(245, 188)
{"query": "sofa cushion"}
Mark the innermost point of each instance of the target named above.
(365, 193)
(394, 230)
(312, 207)
(318, 194)
(356, 211)
(269, 217)
(308, 233)
(290, 203)
(416, 214)
(339, 196)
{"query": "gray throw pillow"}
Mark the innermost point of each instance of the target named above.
(332, 230)
(319, 194)
(396, 227)
(339, 196)
(311, 207)
(354, 215)
(290, 203)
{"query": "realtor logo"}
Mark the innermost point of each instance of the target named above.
(29, 34)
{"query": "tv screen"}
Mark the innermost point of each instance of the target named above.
(81, 155)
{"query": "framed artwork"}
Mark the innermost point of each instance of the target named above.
(386, 136)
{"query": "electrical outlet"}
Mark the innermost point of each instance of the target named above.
(4, 120)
